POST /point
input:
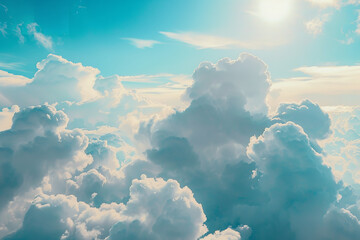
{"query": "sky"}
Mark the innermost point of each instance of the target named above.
(164, 119)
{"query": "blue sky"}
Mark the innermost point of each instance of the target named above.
(189, 120)
(94, 33)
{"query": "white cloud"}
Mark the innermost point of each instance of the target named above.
(315, 26)
(347, 41)
(203, 41)
(56, 80)
(19, 34)
(326, 85)
(10, 65)
(9, 79)
(142, 43)
(3, 27)
(326, 3)
(6, 115)
(358, 23)
(44, 40)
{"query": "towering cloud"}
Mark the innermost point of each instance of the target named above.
(220, 169)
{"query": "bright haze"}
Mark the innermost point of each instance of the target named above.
(180, 120)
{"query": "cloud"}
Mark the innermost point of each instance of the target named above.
(56, 80)
(327, 85)
(36, 144)
(44, 40)
(203, 41)
(3, 27)
(315, 26)
(314, 121)
(239, 163)
(241, 232)
(8, 79)
(343, 146)
(19, 34)
(291, 171)
(358, 23)
(219, 163)
(326, 3)
(142, 43)
(6, 116)
(160, 210)
(157, 209)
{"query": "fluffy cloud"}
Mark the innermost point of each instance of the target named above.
(279, 174)
(241, 232)
(314, 121)
(6, 116)
(36, 144)
(299, 187)
(8, 79)
(56, 80)
(343, 147)
(157, 209)
(265, 174)
(160, 210)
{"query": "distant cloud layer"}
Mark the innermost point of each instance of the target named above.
(84, 157)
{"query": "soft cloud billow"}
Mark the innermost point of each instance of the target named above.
(36, 144)
(157, 209)
(221, 168)
(314, 121)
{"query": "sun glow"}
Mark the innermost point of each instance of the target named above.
(274, 10)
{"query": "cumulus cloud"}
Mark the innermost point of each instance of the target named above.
(56, 80)
(315, 122)
(278, 174)
(6, 116)
(157, 209)
(36, 144)
(241, 232)
(89, 99)
(343, 147)
(291, 170)
(222, 163)
(8, 79)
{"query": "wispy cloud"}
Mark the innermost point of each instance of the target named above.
(3, 27)
(358, 23)
(11, 65)
(315, 26)
(142, 43)
(203, 41)
(45, 41)
(326, 3)
(4, 7)
(327, 85)
(18, 33)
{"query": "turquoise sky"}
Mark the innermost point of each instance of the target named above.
(96, 33)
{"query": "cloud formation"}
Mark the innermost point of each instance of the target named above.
(204, 41)
(42, 39)
(142, 43)
(222, 168)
